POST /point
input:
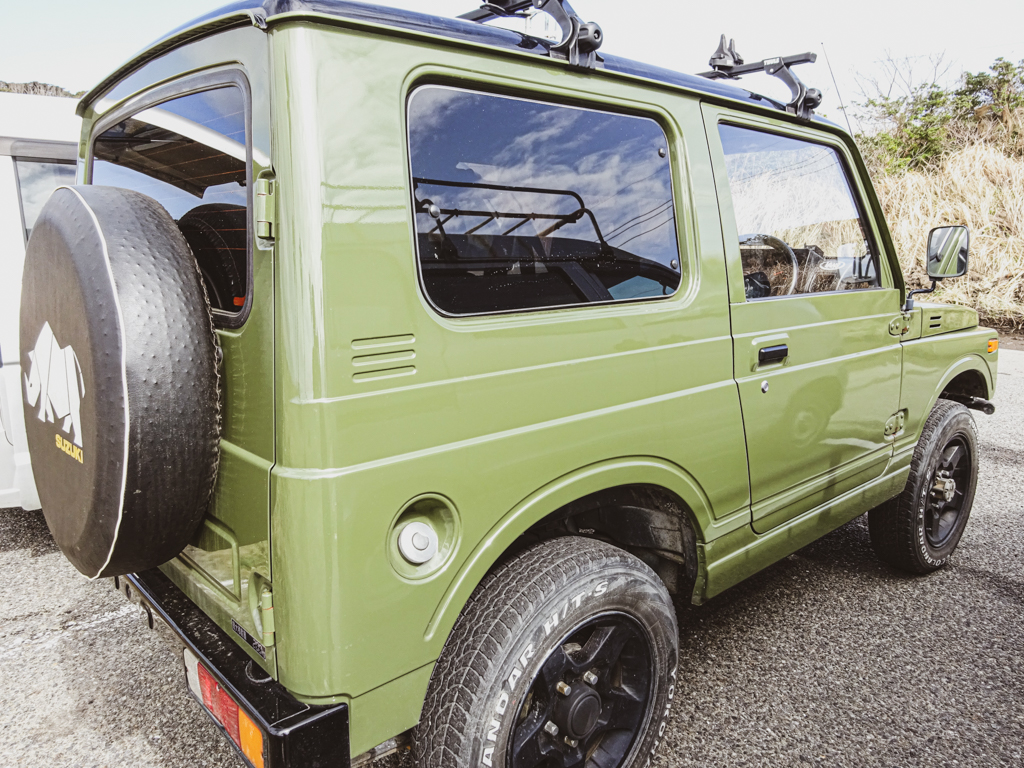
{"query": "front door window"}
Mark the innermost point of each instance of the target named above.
(799, 226)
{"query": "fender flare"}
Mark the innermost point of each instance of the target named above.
(630, 470)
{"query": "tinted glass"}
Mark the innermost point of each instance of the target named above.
(524, 205)
(36, 181)
(800, 228)
(190, 155)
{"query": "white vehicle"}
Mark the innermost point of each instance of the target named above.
(38, 149)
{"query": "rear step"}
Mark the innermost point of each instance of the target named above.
(265, 723)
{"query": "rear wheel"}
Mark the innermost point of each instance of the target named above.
(920, 529)
(565, 656)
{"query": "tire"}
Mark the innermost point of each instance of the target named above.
(920, 529)
(494, 687)
(120, 379)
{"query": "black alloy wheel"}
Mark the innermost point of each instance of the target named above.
(589, 701)
(950, 482)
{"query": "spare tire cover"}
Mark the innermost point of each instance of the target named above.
(120, 379)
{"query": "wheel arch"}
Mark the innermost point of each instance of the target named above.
(579, 492)
(968, 376)
(967, 382)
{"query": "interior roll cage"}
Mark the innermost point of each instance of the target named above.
(444, 215)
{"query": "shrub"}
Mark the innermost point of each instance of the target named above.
(955, 155)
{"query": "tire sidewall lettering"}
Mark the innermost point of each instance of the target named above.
(670, 695)
(526, 661)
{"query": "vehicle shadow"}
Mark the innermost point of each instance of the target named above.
(845, 553)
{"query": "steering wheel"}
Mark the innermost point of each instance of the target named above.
(780, 245)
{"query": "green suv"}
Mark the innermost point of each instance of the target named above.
(403, 368)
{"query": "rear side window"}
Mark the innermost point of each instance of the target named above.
(190, 154)
(524, 205)
(36, 181)
(801, 230)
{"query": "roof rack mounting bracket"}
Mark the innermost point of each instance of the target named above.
(727, 64)
(580, 40)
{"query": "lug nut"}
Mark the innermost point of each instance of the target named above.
(572, 742)
(590, 678)
(563, 689)
(551, 729)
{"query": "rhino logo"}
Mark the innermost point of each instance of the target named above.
(54, 381)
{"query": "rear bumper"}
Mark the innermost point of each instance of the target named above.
(295, 735)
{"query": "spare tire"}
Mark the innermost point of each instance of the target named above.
(121, 381)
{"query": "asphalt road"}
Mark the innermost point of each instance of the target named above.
(826, 658)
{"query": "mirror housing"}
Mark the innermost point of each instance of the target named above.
(947, 252)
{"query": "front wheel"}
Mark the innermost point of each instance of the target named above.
(918, 530)
(564, 656)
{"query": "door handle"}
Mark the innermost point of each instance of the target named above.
(776, 354)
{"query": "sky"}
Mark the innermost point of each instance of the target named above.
(74, 44)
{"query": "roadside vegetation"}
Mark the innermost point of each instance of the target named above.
(954, 155)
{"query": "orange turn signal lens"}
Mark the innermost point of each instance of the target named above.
(993, 345)
(251, 739)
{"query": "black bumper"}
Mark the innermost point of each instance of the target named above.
(295, 735)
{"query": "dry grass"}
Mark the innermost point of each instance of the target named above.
(982, 187)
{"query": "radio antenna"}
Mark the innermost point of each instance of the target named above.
(842, 106)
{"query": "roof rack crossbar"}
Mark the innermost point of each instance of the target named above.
(727, 64)
(580, 40)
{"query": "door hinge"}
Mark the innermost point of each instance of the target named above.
(894, 426)
(267, 616)
(900, 326)
(261, 606)
(266, 206)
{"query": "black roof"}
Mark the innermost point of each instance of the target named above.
(457, 29)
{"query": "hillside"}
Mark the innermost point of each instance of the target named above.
(38, 89)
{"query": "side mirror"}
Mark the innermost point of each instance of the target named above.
(947, 252)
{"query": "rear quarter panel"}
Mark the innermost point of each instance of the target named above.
(497, 414)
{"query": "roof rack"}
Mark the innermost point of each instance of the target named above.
(580, 40)
(726, 63)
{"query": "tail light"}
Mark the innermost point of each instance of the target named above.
(239, 726)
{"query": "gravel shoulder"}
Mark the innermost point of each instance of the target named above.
(826, 658)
